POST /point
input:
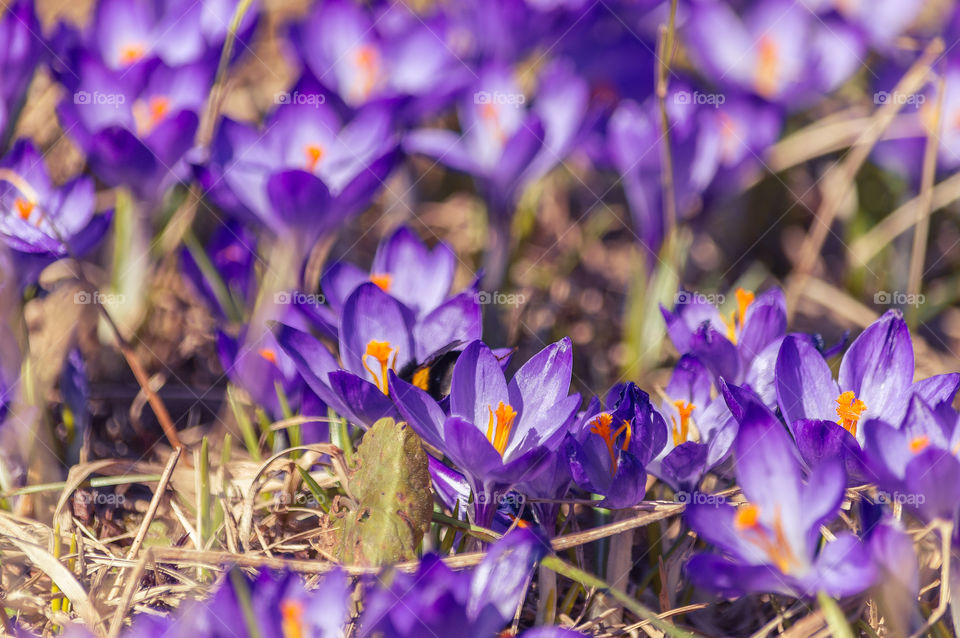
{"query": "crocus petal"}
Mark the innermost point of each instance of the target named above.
(821, 498)
(365, 400)
(419, 409)
(478, 385)
(470, 449)
(732, 580)
(765, 321)
(805, 386)
(878, 367)
(940, 388)
(820, 440)
(843, 568)
(932, 484)
(456, 321)
(541, 382)
(501, 577)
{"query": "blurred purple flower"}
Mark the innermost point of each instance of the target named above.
(305, 172)
(135, 125)
(21, 50)
(395, 56)
(40, 222)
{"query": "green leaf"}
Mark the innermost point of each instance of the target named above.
(391, 485)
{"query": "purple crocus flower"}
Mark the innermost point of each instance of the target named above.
(436, 601)
(881, 21)
(21, 50)
(497, 433)
(378, 336)
(224, 275)
(609, 450)
(135, 125)
(41, 222)
(875, 381)
(124, 33)
(771, 543)
(701, 428)
(399, 268)
(306, 171)
(506, 145)
(276, 605)
(776, 49)
(395, 56)
(741, 348)
(917, 460)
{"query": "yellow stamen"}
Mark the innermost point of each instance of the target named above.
(292, 619)
(849, 409)
(131, 53)
(421, 378)
(601, 425)
(383, 280)
(735, 324)
(919, 444)
(500, 425)
(268, 354)
(681, 433)
(381, 351)
(314, 155)
(768, 67)
(746, 521)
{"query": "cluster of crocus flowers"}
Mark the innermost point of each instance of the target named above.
(41, 222)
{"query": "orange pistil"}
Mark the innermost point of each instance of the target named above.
(147, 115)
(381, 351)
(735, 324)
(729, 140)
(291, 612)
(746, 521)
(849, 409)
(601, 425)
(268, 354)
(766, 79)
(383, 280)
(500, 425)
(681, 432)
(131, 53)
(314, 155)
(919, 444)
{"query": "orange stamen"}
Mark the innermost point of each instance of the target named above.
(919, 444)
(367, 60)
(381, 351)
(746, 521)
(768, 67)
(849, 409)
(148, 115)
(601, 425)
(681, 433)
(500, 425)
(131, 53)
(735, 324)
(268, 354)
(314, 155)
(24, 208)
(491, 114)
(383, 280)
(292, 619)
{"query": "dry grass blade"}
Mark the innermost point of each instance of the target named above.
(62, 577)
(840, 178)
